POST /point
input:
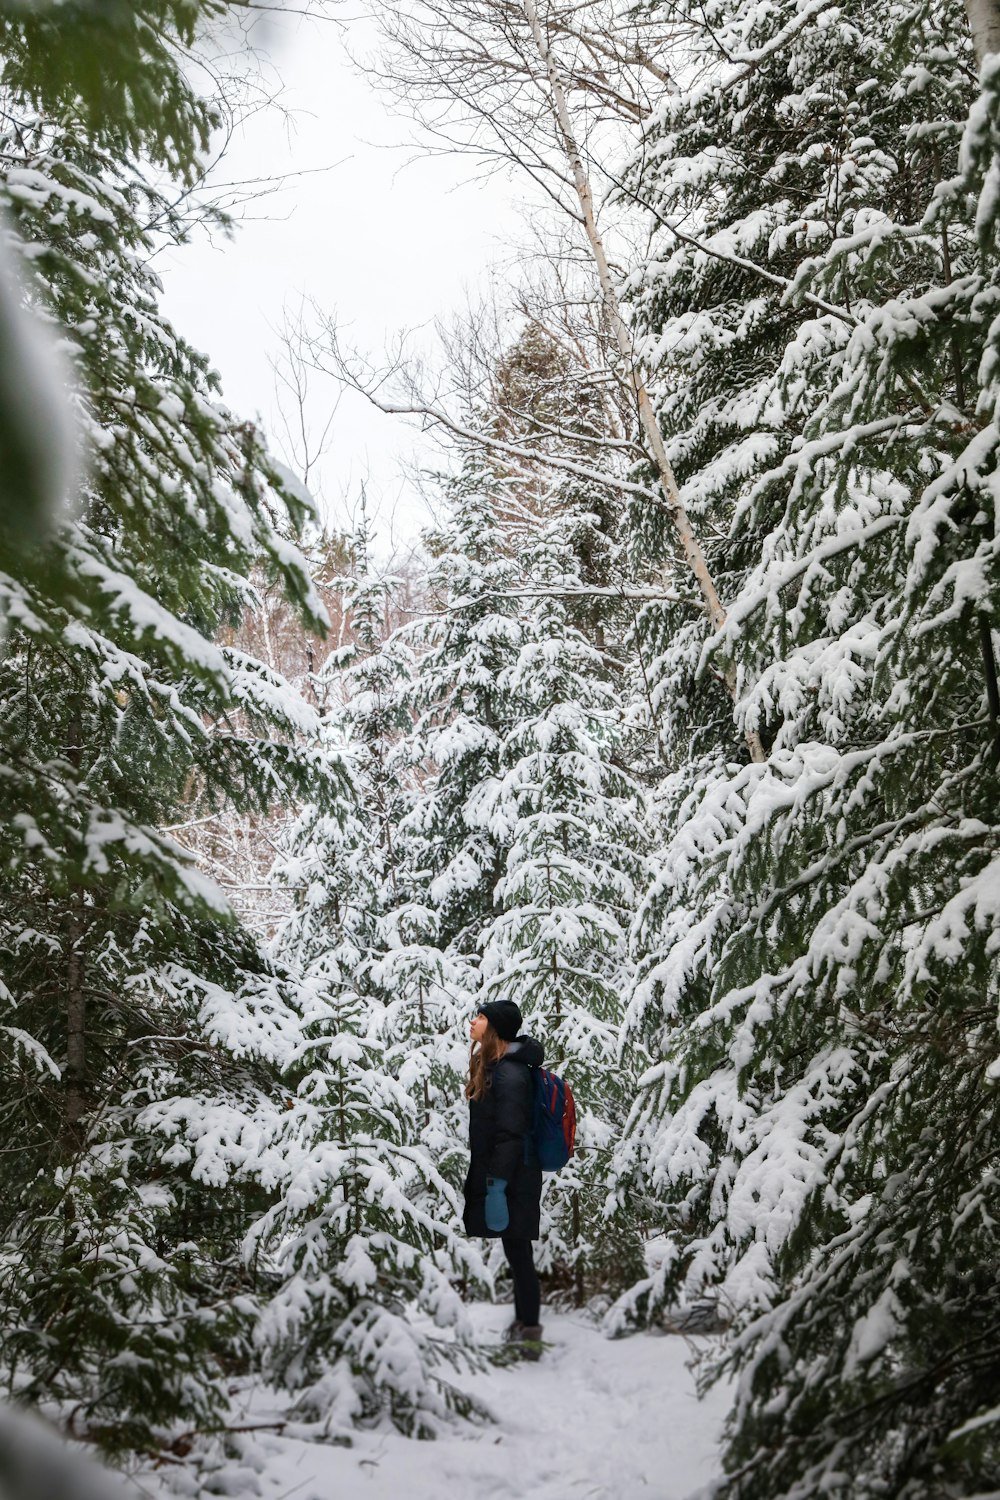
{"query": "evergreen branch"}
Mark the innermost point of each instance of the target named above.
(740, 612)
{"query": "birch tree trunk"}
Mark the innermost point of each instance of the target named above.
(690, 545)
(984, 23)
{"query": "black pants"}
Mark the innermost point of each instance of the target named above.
(527, 1299)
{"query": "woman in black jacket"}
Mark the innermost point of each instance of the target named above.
(503, 1188)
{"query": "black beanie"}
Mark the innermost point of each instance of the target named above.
(504, 1017)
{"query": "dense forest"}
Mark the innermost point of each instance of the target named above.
(682, 730)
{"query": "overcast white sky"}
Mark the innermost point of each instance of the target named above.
(388, 246)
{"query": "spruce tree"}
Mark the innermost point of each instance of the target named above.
(817, 956)
(570, 821)
(460, 707)
(140, 1024)
(526, 822)
(364, 1240)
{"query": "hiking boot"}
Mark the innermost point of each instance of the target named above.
(530, 1340)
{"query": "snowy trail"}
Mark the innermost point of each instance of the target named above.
(593, 1420)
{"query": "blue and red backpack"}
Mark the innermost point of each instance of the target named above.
(554, 1130)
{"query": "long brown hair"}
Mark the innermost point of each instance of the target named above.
(481, 1058)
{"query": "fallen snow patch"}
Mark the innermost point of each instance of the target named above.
(594, 1419)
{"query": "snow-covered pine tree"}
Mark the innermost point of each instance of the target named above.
(462, 713)
(520, 685)
(421, 989)
(818, 954)
(133, 1008)
(460, 705)
(365, 1237)
(569, 819)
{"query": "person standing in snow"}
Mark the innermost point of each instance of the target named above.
(502, 1188)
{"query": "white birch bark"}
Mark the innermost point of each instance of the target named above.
(690, 545)
(984, 23)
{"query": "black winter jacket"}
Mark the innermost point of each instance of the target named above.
(498, 1124)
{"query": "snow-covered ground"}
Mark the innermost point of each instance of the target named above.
(593, 1420)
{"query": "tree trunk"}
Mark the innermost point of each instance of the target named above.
(984, 23)
(75, 1076)
(690, 545)
(423, 1036)
(992, 683)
